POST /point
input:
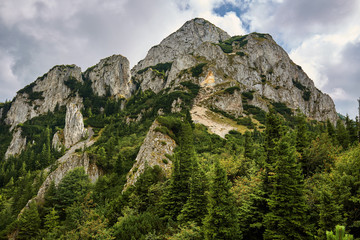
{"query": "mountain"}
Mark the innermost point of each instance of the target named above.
(112, 119)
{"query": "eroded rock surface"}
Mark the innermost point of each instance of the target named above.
(152, 152)
(17, 144)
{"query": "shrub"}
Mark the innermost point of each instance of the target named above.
(231, 90)
(282, 108)
(248, 95)
(194, 88)
(241, 54)
(197, 70)
(160, 67)
(298, 85)
(306, 95)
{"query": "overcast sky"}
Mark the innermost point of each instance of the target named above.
(323, 36)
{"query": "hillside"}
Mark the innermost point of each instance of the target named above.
(204, 131)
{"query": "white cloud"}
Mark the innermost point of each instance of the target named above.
(339, 94)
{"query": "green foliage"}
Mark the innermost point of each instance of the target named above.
(73, 187)
(179, 189)
(339, 234)
(257, 112)
(248, 95)
(194, 209)
(27, 89)
(194, 88)
(306, 91)
(227, 45)
(160, 67)
(197, 70)
(299, 85)
(306, 95)
(231, 90)
(221, 221)
(282, 108)
(29, 223)
(241, 54)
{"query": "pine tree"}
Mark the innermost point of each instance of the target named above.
(51, 220)
(329, 212)
(342, 135)
(179, 189)
(195, 207)
(287, 217)
(339, 234)
(29, 223)
(249, 146)
(221, 221)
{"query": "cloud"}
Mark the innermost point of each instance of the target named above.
(322, 36)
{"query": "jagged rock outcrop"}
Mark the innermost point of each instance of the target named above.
(56, 142)
(111, 76)
(183, 41)
(43, 95)
(74, 129)
(70, 161)
(17, 144)
(152, 152)
(251, 63)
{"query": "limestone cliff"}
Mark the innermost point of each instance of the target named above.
(43, 95)
(154, 151)
(183, 41)
(74, 125)
(17, 144)
(111, 76)
(71, 160)
(227, 67)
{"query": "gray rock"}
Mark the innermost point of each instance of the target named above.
(57, 144)
(152, 152)
(74, 125)
(17, 144)
(111, 75)
(183, 41)
(52, 90)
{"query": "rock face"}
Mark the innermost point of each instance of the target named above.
(74, 125)
(17, 144)
(56, 141)
(43, 95)
(183, 41)
(152, 152)
(252, 63)
(70, 161)
(111, 76)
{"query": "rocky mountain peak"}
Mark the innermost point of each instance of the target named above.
(111, 76)
(183, 41)
(44, 94)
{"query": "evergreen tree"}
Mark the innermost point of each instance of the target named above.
(29, 223)
(73, 187)
(248, 146)
(287, 217)
(339, 234)
(195, 207)
(329, 212)
(221, 221)
(351, 128)
(179, 189)
(342, 135)
(51, 220)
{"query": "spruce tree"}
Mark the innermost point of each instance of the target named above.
(179, 190)
(195, 207)
(221, 220)
(29, 223)
(342, 135)
(287, 217)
